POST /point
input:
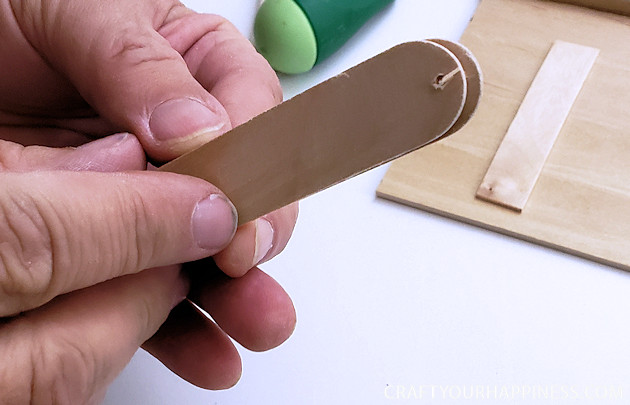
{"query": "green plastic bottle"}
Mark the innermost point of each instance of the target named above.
(294, 35)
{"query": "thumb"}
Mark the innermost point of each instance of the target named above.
(113, 54)
(64, 226)
(61, 231)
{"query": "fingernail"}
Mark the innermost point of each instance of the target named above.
(264, 239)
(184, 119)
(214, 223)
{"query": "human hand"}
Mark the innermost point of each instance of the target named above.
(75, 245)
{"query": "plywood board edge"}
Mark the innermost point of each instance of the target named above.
(502, 231)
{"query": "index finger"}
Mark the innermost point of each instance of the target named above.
(226, 64)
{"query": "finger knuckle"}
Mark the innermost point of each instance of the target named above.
(123, 238)
(140, 233)
(47, 368)
(49, 247)
(138, 48)
(53, 368)
(26, 255)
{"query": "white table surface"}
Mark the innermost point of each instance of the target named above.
(396, 304)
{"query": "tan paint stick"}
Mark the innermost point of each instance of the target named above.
(383, 108)
(521, 156)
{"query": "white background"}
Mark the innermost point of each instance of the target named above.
(393, 302)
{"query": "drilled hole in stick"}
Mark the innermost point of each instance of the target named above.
(442, 79)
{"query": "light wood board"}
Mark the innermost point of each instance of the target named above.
(518, 162)
(581, 203)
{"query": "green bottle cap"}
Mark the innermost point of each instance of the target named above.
(294, 35)
(284, 36)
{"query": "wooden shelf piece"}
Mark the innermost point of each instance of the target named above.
(522, 154)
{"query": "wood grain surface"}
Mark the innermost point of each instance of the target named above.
(581, 203)
(521, 156)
